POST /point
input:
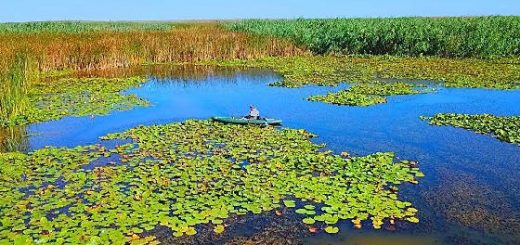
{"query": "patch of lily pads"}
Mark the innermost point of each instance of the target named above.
(53, 100)
(331, 70)
(184, 175)
(505, 128)
(365, 94)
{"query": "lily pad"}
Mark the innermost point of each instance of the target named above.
(309, 221)
(331, 229)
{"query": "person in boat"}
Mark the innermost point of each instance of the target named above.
(254, 114)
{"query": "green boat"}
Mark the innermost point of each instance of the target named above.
(242, 120)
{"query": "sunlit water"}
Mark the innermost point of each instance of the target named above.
(470, 178)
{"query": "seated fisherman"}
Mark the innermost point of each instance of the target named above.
(254, 114)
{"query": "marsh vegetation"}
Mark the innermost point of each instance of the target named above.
(175, 178)
(494, 36)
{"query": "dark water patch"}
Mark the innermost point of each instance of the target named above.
(112, 144)
(265, 228)
(113, 159)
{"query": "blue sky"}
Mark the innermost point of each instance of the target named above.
(35, 10)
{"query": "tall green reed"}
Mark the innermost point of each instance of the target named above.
(15, 81)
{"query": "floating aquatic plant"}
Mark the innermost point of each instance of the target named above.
(345, 97)
(505, 128)
(77, 97)
(366, 94)
(186, 174)
(309, 221)
(331, 229)
(331, 70)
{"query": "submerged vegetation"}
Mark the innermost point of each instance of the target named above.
(505, 128)
(76, 97)
(495, 36)
(366, 94)
(469, 201)
(183, 175)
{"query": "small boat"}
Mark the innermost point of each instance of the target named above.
(243, 120)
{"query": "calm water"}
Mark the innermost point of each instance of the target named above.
(471, 192)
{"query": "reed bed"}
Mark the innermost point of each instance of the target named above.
(109, 49)
(478, 37)
(15, 81)
(83, 26)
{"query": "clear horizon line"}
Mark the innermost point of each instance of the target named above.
(239, 19)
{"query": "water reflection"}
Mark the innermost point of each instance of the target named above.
(14, 139)
(178, 73)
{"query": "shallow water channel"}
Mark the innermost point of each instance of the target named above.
(471, 192)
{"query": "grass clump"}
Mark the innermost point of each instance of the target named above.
(505, 128)
(14, 139)
(187, 175)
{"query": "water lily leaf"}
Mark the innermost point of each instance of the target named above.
(309, 221)
(289, 203)
(219, 229)
(331, 229)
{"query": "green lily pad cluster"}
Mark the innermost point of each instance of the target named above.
(187, 174)
(298, 71)
(345, 97)
(78, 97)
(505, 128)
(331, 70)
(365, 94)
